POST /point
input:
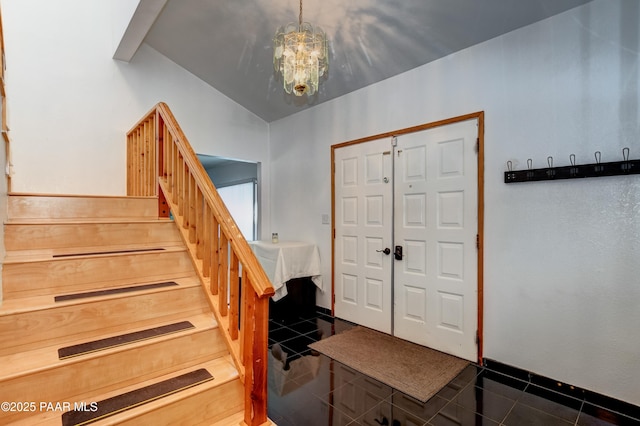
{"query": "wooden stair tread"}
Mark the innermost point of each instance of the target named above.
(81, 196)
(29, 362)
(113, 291)
(21, 256)
(27, 304)
(71, 235)
(234, 419)
(84, 220)
(130, 337)
(23, 279)
(237, 419)
(79, 207)
(128, 400)
(222, 370)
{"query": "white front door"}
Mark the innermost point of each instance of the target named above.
(420, 196)
(363, 225)
(436, 224)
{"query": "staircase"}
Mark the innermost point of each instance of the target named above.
(103, 311)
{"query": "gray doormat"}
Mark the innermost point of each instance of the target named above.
(415, 370)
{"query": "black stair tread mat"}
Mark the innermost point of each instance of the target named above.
(123, 339)
(107, 252)
(111, 291)
(117, 404)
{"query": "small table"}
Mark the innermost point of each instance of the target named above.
(287, 260)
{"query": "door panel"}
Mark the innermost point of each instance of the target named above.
(435, 283)
(363, 209)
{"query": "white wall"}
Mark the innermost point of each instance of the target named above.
(562, 285)
(71, 103)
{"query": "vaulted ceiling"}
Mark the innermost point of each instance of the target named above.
(228, 43)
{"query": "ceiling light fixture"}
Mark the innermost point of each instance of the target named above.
(300, 53)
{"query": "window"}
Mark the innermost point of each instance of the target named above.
(241, 200)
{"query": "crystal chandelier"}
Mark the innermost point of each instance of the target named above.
(300, 54)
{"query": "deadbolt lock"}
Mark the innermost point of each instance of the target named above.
(398, 253)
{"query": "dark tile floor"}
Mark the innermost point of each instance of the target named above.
(309, 389)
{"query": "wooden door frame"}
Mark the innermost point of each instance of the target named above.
(480, 241)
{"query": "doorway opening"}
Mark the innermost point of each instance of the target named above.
(237, 184)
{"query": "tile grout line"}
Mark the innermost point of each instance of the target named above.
(509, 412)
(579, 412)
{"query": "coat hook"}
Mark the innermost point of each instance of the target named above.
(598, 167)
(573, 170)
(529, 166)
(509, 175)
(626, 166)
(550, 172)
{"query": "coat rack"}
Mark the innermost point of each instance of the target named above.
(574, 171)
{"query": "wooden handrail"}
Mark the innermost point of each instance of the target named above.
(162, 163)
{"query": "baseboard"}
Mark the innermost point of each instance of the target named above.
(567, 389)
(323, 311)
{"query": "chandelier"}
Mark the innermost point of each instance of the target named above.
(300, 54)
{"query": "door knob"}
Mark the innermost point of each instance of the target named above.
(386, 251)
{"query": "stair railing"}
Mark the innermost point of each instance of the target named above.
(161, 162)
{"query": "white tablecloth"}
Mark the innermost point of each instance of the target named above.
(286, 260)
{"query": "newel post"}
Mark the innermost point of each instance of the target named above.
(256, 359)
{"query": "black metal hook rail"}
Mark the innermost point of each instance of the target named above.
(598, 169)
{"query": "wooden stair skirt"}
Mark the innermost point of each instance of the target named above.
(104, 320)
